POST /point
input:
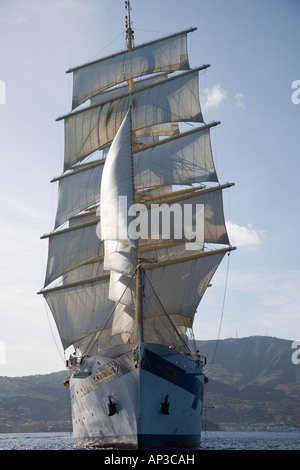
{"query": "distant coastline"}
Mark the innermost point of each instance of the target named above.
(253, 386)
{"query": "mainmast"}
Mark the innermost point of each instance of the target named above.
(129, 30)
(129, 40)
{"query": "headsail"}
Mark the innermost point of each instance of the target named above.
(117, 196)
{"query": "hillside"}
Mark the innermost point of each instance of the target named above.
(252, 384)
(34, 403)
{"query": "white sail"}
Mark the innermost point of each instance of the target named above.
(169, 128)
(189, 279)
(139, 233)
(80, 310)
(122, 289)
(176, 99)
(77, 191)
(117, 196)
(171, 219)
(183, 160)
(81, 244)
(186, 159)
(124, 89)
(95, 302)
(123, 321)
(165, 55)
(83, 309)
(71, 248)
(85, 272)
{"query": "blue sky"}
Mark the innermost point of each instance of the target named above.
(253, 49)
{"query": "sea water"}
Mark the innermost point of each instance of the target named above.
(221, 440)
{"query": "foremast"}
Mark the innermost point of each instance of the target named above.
(138, 331)
(138, 336)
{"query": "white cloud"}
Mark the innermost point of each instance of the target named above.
(244, 236)
(239, 100)
(213, 97)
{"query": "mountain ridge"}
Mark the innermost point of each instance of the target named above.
(252, 384)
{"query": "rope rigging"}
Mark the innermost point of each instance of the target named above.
(222, 313)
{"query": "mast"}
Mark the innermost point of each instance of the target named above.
(147, 168)
(129, 40)
(129, 30)
(139, 306)
(138, 333)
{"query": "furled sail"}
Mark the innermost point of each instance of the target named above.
(137, 191)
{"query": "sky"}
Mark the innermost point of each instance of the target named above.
(253, 49)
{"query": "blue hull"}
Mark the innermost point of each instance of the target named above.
(121, 405)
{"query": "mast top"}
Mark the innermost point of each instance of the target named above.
(129, 30)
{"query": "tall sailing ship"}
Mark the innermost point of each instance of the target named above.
(139, 233)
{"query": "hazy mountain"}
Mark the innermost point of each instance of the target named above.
(252, 383)
(34, 403)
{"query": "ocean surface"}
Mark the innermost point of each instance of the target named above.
(221, 440)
